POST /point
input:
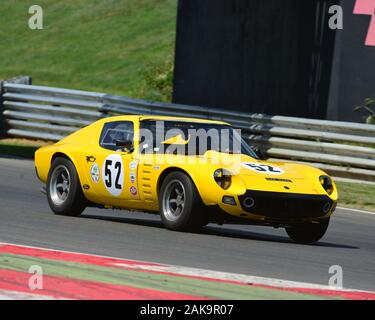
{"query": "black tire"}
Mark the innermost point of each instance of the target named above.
(191, 216)
(71, 202)
(308, 233)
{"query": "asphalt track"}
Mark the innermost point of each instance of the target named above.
(25, 218)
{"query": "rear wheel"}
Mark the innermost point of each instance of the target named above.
(64, 191)
(308, 233)
(181, 207)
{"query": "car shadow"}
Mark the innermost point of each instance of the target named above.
(251, 235)
(216, 231)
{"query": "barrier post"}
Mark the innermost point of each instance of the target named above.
(2, 120)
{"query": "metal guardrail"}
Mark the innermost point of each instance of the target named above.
(342, 148)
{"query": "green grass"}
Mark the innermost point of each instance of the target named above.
(23, 148)
(356, 195)
(107, 46)
(18, 150)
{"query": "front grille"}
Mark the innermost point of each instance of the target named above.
(285, 205)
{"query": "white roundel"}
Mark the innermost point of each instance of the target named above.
(113, 174)
(262, 168)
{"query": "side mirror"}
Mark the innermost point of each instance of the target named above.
(260, 154)
(125, 144)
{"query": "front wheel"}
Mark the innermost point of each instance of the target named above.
(308, 233)
(64, 191)
(180, 204)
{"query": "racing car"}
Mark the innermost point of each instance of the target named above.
(190, 171)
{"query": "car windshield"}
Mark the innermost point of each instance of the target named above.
(191, 138)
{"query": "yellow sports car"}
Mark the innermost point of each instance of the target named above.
(191, 171)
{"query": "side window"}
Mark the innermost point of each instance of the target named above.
(147, 141)
(113, 131)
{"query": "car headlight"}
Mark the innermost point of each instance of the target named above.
(326, 183)
(223, 178)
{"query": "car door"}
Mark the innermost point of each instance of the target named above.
(112, 167)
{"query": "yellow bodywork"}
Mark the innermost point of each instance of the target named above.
(143, 172)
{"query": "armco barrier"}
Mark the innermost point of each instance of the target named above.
(2, 128)
(342, 148)
(18, 80)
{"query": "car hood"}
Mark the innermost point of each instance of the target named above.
(244, 165)
(254, 174)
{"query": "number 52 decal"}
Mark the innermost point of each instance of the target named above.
(113, 174)
(262, 168)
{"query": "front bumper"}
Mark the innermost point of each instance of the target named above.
(283, 207)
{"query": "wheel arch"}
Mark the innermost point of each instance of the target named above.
(67, 156)
(169, 170)
(59, 154)
(166, 172)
